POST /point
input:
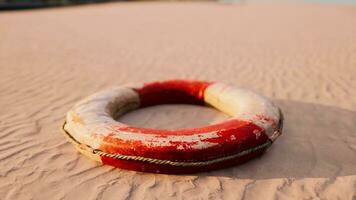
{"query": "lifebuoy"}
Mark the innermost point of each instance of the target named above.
(91, 126)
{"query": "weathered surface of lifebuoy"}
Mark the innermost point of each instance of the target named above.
(91, 126)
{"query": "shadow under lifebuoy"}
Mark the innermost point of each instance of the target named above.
(317, 141)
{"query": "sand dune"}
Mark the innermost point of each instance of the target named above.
(301, 56)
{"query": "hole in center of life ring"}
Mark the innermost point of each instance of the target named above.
(173, 116)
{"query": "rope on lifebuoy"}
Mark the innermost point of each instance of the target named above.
(167, 162)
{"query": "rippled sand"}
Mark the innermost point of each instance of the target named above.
(301, 56)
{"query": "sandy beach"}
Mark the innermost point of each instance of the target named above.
(302, 56)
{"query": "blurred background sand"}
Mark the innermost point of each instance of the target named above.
(302, 56)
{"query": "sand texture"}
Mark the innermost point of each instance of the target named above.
(301, 56)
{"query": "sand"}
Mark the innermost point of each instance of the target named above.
(302, 56)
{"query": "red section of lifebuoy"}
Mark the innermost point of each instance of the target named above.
(172, 92)
(233, 136)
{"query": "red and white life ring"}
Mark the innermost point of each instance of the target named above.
(91, 126)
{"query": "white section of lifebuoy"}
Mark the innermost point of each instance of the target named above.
(243, 104)
(97, 112)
